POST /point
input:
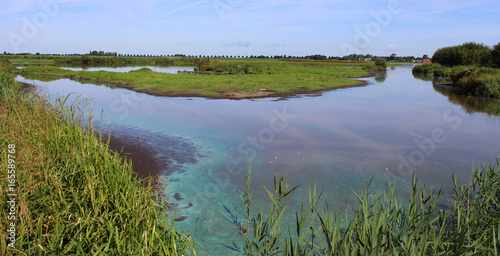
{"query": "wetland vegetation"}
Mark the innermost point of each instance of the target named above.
(472, 68)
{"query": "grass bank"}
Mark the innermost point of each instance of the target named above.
(472, 80)
(229, 78)
(72, 195)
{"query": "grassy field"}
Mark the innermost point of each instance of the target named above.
(32, 61)
(230, 78)
(72, 195)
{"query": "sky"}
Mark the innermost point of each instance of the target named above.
(249, 27)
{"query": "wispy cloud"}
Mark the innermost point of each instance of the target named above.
(242, 43)
(393, 47)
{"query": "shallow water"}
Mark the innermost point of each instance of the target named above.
(336, 140)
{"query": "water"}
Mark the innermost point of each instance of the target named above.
(161, 69)
(336, 139)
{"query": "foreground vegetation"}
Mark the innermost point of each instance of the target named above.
(229, 78)
(73, 196)
(471, 68)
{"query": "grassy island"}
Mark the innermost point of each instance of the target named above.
(229, 78)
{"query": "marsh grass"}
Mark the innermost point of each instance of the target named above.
(75, 197)
(382, 223)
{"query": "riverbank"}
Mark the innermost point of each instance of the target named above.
(228, 80)
(69, 193)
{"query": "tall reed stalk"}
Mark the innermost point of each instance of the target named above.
(382, 223)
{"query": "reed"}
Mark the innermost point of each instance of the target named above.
(75, 197)
(382, 223)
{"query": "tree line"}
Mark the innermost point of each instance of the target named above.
(352, 57)
(471, 53)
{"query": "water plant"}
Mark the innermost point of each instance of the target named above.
(382, 223)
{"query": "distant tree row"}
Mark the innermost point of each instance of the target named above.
(352, 57)
(102, 53)
(471, 53)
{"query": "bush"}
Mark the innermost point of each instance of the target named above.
(381, 63)
(423, 69)
(477, 81)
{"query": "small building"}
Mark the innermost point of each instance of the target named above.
(426, 60)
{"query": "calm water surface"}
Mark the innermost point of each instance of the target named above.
(334, 139)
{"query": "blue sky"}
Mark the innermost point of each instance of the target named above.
(250, 27)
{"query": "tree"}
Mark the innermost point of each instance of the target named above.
(495, 55)
(466, 54)
(425, 56)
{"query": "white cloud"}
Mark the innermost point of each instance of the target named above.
(365, 47)
(242, 43)
(393, 47)
(183, 43)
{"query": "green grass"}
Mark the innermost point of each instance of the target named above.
(268, 77)
(32, 61)
(74, 196)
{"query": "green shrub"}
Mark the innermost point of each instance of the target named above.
(381, 63)
(489, 87)
(427, 68)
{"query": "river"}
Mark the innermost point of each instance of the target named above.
(336, 139)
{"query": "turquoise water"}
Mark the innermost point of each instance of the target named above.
(336, 140)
